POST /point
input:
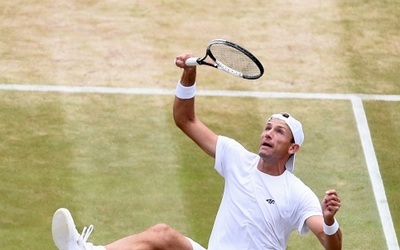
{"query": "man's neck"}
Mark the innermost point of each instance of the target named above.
(274, 169)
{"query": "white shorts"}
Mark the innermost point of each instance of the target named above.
(195, 245)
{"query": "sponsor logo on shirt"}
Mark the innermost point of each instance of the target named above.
(270, 201)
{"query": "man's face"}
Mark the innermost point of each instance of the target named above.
(276, 139)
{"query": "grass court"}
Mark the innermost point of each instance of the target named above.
(86, 93)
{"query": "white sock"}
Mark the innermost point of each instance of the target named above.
(90, 246)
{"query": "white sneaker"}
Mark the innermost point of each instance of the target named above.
(65, 235)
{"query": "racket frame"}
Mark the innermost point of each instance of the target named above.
(219, 65)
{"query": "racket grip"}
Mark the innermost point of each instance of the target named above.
(192, 61)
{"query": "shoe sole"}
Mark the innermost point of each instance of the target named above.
(63, 229)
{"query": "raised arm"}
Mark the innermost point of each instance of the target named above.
(184, 109)
(325, 227)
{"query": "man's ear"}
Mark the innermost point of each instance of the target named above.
(294, 148)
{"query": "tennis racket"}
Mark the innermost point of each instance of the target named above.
(231, 58)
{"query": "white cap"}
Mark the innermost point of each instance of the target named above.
(297, 132)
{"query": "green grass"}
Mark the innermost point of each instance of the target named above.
(371, 45)
(119, 162)
(383, 119)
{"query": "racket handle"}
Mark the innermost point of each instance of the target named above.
(192, 61)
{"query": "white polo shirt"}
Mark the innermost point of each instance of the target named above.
(257, 211)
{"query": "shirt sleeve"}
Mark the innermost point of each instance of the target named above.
(230, 154)
(221, 149)
(310, 207)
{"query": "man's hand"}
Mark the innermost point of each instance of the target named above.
(181, 59)
(330, 205)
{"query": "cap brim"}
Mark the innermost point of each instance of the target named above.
(290, 163)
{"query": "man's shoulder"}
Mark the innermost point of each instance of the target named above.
(297, 185)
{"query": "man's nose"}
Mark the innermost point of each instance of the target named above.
(268, 134)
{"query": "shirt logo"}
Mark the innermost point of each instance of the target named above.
(270, 201)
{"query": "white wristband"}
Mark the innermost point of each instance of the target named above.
(332, 229)
(185, 92)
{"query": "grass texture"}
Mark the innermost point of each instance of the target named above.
(119, 162)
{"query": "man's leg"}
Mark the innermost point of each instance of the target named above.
(160, 236)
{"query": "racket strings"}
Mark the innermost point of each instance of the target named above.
(235, 59)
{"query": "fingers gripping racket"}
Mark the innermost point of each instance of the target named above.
(231, 58)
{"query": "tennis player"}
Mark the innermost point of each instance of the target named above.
(263, 201)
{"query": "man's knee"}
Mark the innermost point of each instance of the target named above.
(172, 239)
(162, 229)
(169, 238)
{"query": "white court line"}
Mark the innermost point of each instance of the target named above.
(358, 108)
(229, 93)
(374, 174)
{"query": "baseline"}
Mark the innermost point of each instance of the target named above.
(229, 93)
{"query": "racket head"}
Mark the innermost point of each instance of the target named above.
(234, 59)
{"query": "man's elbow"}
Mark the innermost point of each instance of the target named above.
(183, 123)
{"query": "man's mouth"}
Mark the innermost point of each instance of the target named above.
(266, 144)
